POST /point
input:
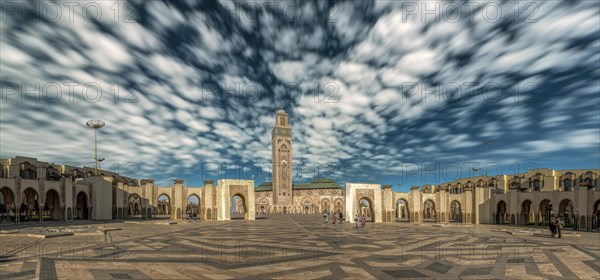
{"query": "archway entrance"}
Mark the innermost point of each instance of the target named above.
(52, 206)
(30, 208)
(164, 207)
(527, 215)
(7, 205)
(365, 208)
(82, 206)
(545, 212)
(339, 207)
(193, 207)
(565, 212)
(402, 212)
(501, 214)
(325, 206)
(238, 207)
(429, 214)
(134, 208)
(455, 212)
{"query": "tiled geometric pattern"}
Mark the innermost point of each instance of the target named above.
(300, 247)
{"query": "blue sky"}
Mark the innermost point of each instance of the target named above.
(377, 92)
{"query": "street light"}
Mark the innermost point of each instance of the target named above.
(475, 169)
(487, 148)
(95, 124)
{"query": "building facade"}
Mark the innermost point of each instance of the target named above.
(35, 190)
(31, 190)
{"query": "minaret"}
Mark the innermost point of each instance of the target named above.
(281, 140)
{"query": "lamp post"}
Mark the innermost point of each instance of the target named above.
(95, 124)
(475, 169)
(487, 148)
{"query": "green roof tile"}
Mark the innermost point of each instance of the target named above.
(323, 183)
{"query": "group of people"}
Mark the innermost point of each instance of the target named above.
(333, 218)
(357, 219)
(556, 228)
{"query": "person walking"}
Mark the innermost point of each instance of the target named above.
(333, 217)
(325, 218)
(341, 218)
(552, 229)
(559, 226)
(356, 220)
(362, 221)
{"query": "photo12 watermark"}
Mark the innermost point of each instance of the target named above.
(68, 11)
(66, 92)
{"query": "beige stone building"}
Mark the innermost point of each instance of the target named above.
(36, 190)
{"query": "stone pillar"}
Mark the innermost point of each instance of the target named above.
(442, 197)
(208, 199)
(416, 201)
(469, 207)
(148, 191)
(67, 186)
(388, 201)
(176, 203)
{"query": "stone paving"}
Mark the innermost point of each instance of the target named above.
(300, 247)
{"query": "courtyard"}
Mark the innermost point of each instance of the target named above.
(292, 247)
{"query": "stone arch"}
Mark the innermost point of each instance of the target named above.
(193, 206)
(307, 205)
(588, 178)
(501, 213)
(565, 211)
(164, 206)
(545, 211)
(27, 171)
(52, 174)
(52, 205)
(536, 185)
(81, 206)
(30, 207)
(455, 213)
(241, 203)
(7, 204)
(338, 206)
(325, 205)
(527, 216)
(366, 207)
(567, 185)
(134, 205)
(402, 210)
(429, 211)
(263, 206)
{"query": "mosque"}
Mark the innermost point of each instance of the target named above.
(32, 190)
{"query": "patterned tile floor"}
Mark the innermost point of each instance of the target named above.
(300, 247)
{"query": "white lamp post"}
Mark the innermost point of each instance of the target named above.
(95, 124)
